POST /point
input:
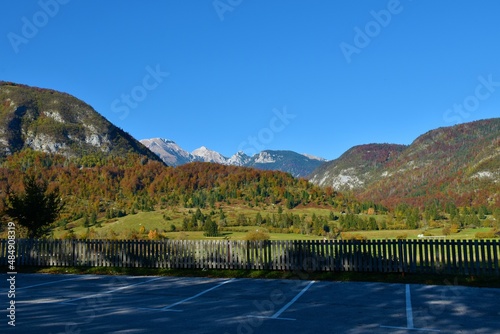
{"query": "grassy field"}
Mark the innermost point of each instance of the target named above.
(163, 220)
(168, 224)
(413, 234)
(239, 235)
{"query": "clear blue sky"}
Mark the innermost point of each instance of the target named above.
(315, 77)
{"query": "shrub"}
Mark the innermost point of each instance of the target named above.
(486, 235)
(353, 237)
(257, 235)
(454, 228)
(487, 223)
(153, 235)
(403, 236)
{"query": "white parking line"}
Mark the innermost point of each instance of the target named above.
(197, 295)
(284, 308)
(54, 282)
(409, 311)
(409, 316)
(169, 307)
(110, 291)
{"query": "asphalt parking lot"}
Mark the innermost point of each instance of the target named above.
(152, 304)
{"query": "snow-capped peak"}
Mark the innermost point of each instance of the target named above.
(239, 159)
(209, 156)
(171, 153)
(287, 161)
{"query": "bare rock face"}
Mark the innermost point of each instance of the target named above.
(54, 122)
(45, 143)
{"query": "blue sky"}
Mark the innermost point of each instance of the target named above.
(314, 76)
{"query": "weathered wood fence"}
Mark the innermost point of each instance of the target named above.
(469, 257)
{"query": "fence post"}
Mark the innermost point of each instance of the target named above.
(401, 257)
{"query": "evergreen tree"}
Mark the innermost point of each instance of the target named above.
(258, 219)
(241, 219)
(211, 228)
(93, 218)
(185, 224)
(222, 215)
(86, 222)
(35, 209)
(331, 216)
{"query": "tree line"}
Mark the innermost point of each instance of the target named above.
(96, 187)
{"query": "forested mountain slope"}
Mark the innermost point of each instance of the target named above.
(54, 122)
(458, 164)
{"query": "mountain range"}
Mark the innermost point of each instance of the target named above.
(299, 165)
(460, 163)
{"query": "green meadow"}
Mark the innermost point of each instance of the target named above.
(168, 224)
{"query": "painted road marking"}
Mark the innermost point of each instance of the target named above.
(71, 301)
(169, 307)
(409, 311)
(409, 316)
(284, 308)
(53, 282)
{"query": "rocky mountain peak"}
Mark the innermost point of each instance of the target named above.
(54, 122)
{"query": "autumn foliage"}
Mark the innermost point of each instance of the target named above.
(115, 186)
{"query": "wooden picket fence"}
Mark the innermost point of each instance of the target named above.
(468, 257)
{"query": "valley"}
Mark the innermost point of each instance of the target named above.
(445, 183)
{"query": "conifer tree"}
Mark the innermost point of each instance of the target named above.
(35, 209)
(211, 228)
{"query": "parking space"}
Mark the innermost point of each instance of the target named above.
(124, 304)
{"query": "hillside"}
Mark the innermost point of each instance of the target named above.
(122, 185)
(54, 122)
(459, 164)
(357, 167)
